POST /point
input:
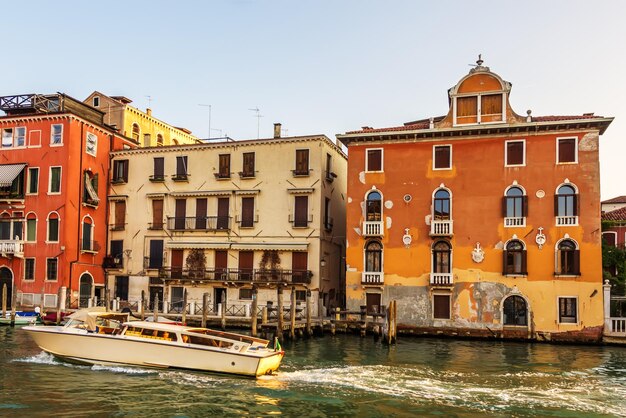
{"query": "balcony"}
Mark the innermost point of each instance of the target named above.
(299, 172)
(247, 174)
(441, 228)
(259, 276)
(330, 176)
(89, 246)
(203, 223)
(119, 180)
(222, 176)
(157, 178)
(441, 279)
(113, 262)
(328, 224)
(566, 220)
(373, 229)
(155, 226)
(117, 227)
(517, 221)
(180, 177)
(372, 277)
(300, 221)
(13, 248)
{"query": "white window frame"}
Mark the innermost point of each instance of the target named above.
(58, 218)
(556, 255)
(558, 312)
(15, 136)
(510, 222)
(26, 227)
(36, 192)
(575, 138)
(50, 192)
(7, 146)
(34, 269)
(91, 138)
(382, 160)
(479, 108)
(52, 143)
(31, 134)
(613, 233)
(449, 162)
(506, 151)
(47, 278)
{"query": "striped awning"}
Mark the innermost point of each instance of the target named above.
(306, 190)
(90, 190)
(247, 192)
(8, 173)
(202, 193)
(295, 246)
(188, 245)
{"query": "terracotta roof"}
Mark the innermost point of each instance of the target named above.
(618, 199)
(410, 127)
(615, 215)
(560, 118)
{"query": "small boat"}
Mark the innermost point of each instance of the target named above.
(110, 339)
(21, 318)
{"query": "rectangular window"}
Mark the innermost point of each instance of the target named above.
(53, 230)
(120, 215)
(328, 221)
(491, 108)
(373, 303)
(117, 252)
(121, 287)
(201, 213)
(7, 137)
(146, 140)
(180, 214)
(159, 169)
(245, 294)
(248, 165)
(29, 269)
(52, 272)
(374, 160)
(467, 109)
(224, 166)
(96, 101)
(515, 153)
(20, 137)
(568, 312)
(54, 185)
(120, 171)
(56, 135)
(567, 150)
(300, 295)
(34, 138)
(31, 230)
(301, 214)
(247, 212)
(157, 214)
(302, 162)
(33, 180)
(441, 306)
(442, 157)
(156, 254)
(181, 167)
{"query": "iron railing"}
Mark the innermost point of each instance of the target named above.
(236, 275)
(200, 223)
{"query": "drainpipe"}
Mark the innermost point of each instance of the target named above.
(78, 240)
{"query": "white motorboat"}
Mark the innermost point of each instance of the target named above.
(106, 338)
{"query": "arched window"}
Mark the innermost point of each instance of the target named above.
(514, 259)
(441, 257)
(441, 205)
(566, 205)
(515, 207)
(136, 132)
(87, 239)
(515, 311)
(567, 258)
(374, 257)
(373, 206)
(85, 290)
(53, 227)
(159, 140)
(5, 227)
(31, 227)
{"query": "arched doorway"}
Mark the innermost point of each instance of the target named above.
(6, 277)
(515, 311)
(85, 290)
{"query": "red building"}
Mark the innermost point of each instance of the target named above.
(54, 162)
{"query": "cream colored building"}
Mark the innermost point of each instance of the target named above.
(141, 126)
(267, 213)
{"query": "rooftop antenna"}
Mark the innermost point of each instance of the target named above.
(258, 117)
(149, 101)
(209, 106)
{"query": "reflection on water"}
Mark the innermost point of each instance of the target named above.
(332, 376)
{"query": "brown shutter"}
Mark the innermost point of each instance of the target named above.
(221, 263)
(299, 260)
(157, 214)
(302, 161)
(524, 263)
(181, 212)
(567, 150)
(556, 205)
(504, 202)
(442, 157)
(441, 306)
(525, 205)
(247, 212)
(224, 165)
(576, 205)
(120, 214)
(222, 213)
(301, 217)
(504, 259)
(159, 168)
(248, 164)
(374, 160)
(201, 213)
(177, 264)
(576, 262)
(246, 265)
(181, 166)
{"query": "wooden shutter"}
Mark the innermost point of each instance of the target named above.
(120, 214)
(524, 263)
(525, 205)
(504, 262)
(576, 262)
(299, 260)
(491, 107)
(567, 150)
(302, 161)
(248, 164)
(441, 306)
(515, 153)
(157, 214)
(181, 212)
(301, 217)
(156, 253)
(222, 213)
(221, 262)
(504, 206)
(374, 160)
(442, 157)
(556, 205)
(246, 265)
(201, 213)
(159, 168)
(576, 205)
(177, 264)
(247, 212)
(224, 165)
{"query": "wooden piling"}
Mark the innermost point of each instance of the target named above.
(363, 315)
(4, 300)
(143, 305)
(264, 315)
(337, 314)
(184, 317)
(223, 321)
(309, 331)
(280, 320)
(156, 308)
(60, 303)
(107, 300)
(253, 317)
(205, 303)
(292, 317)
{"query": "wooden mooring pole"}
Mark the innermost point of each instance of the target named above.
(223, 322)
(280, 319)
(292, 317)
(4, 300)
(363, 320)
(143, 305)
(205, 308)
(309, 330)
(13, 303)
(156, 308)
(184, 318)
(253, 314)
(60, 302)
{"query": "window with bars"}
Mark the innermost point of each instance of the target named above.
(568, 311)
(515, 311)
(52, 273)
(29, 269)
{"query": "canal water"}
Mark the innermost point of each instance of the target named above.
(341, 376)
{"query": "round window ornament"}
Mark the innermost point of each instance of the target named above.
(407, 238)
(407, 198)
(540, 194)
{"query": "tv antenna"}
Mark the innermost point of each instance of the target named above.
(209, 106)
(149, 101)
(258, 117)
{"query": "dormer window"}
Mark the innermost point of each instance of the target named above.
(480, 108)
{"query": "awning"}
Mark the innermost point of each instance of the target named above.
(9, 172)
(90, 190)
(155, 195)
(202, 193)
(246, 192)
(307, 190)
(296, 246)
(188, 245)
(117, 197)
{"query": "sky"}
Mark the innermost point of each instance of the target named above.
(322, 67)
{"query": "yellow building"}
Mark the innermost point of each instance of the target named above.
(228, 218)
(141, 126)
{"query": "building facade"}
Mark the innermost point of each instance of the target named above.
(481, 222)
(53, 214)
(145, 129)
(228, 219)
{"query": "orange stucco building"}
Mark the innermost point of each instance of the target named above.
(54, 164)
(481, 222)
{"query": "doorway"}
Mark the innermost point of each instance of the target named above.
(6, 278)
(218, 293)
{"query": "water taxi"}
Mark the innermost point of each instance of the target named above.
(110, 339)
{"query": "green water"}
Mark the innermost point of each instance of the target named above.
(338, 376)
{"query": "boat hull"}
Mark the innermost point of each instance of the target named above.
(99, 349)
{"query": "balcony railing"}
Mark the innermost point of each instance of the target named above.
(372, 277)
(202, 223)
(180, 177)
(301, 172)
(222, 176)
(515, 221)
(373, 228)
(615, 327)
(441, 228)
(117, 227)
(300, 222)
(113, 262)
(441, 279)
(12, 247)
(89, 246)
(247, 174)
(156, 226)
(237, 275)
(157, 178)
(566, 220)
(328, 224)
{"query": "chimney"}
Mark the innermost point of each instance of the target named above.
(149, 111)
(277, 130)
